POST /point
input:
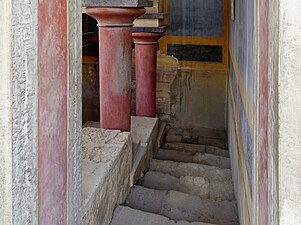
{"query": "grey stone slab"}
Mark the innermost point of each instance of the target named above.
(212, 160)
(176, 156)
(217, 151)
(173, 138)
(201, 158)
(142, 128)
(199, 186)
(217, 142)
(127, 216)
(185, 147)
(117, 3)
(161, 133)
(182, 207)
(179, 169)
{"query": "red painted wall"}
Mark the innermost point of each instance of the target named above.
(52, 60)
(263, 114)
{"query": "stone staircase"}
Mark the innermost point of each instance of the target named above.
(189, 183)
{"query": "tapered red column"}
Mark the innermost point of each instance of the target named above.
(146, 46)
(115, 55)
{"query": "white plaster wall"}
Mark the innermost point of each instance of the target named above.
(74, 110)
(18, 112)
(290, 112)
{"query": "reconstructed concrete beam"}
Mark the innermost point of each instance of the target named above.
(117, 3)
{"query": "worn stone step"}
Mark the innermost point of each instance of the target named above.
(199, 186)
(193, 148)
(202, 158)
(199, 132)
(124, 215)
(216, 142)
(180, 206)
(178, 169)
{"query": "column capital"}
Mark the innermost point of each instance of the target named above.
(147, 38)
(115, 17)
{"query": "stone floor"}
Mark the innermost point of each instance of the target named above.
(189, 183)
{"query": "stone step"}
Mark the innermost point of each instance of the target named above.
(216, 142)
(178, 169)
(180, 206)
(201, 158)
(124, 215)
(194, 148)
(195, 133)
(199, 186)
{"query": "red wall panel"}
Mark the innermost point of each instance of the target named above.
(52, 60)
(263, 102)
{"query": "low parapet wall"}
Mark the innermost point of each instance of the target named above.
(109, 167)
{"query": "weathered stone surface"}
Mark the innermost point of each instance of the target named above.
(199, 186)
(18, 112)
(201, 158)
(217, 151)
(75, 111)
(180, 206)
(185, 147)
(145, 131)
(212, 160)
(142, 128)
(127, 216)
(193, 148)
(173, 155)
(179, 169)
(117, 3)
(189, 140)
(217, 142)
(173, 138)
(196, 132)
(106, 164)
(161, 134)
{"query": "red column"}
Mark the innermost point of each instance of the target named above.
(146, 46)
(115, 58)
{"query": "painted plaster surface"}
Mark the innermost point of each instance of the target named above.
(263, 105)
(289, 112)
(53, 112)
(106, 163)
(242, 74)
(237, 172)
(74, 110)
(18, 112)
(199, 99)
(205, 18)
